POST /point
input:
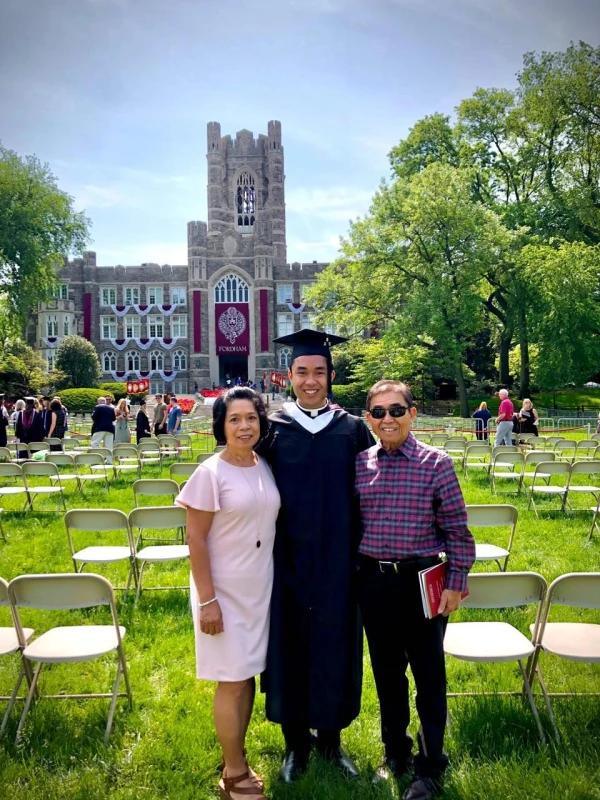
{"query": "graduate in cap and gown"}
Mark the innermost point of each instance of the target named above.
(314, 661)
(29, 427)
(46, 413)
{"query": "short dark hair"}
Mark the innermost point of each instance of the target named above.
(237, 393)
(387, 385)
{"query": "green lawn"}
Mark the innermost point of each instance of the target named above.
(166, 746)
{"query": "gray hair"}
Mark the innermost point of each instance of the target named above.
(101, 401)
(503, 393)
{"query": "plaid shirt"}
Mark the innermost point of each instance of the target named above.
(411, 505)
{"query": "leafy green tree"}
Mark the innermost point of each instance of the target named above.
(22, 370)
(565, 312)
(38, 229)
(78, 360)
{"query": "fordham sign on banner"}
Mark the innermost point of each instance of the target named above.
(232, 329)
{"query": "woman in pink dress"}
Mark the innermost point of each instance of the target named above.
(232, 504)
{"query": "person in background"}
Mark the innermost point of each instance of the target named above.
(504, 420)
(411, 510)
(527, 419)
(142, 423)
(483, 416)
(598, 425)
(46, 415)
(122, 432)
(160, 416)
(29, 427)
(57, 423)
(109, 401)
(3, 422)
(103, 425)
(232, 504)
(19, 406)
(174, 418)
(66, 410)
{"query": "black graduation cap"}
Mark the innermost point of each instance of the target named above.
(30, 400)
(311, 343)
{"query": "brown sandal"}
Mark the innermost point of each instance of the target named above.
(228, 785)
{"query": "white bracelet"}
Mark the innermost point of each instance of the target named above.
(208, 602)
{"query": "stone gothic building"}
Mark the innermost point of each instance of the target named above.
(217, 316)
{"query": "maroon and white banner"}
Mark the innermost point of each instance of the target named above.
(165, 310)
(232, 329)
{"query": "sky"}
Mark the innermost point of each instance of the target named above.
(115, 95)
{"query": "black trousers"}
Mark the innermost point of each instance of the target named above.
(399, 634)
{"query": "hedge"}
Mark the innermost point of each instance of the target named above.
(80, 400)
(351, 395)
(117, 390)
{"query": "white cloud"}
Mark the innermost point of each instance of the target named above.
(174, 253)
(338, 203)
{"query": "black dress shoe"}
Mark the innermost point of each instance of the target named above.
(421, 788)
(393, 768)
(294, 765)
(341, 760)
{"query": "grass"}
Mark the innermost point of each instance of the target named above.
(166, 747)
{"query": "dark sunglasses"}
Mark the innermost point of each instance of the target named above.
(395, 411)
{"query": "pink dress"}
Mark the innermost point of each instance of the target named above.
(244, 500)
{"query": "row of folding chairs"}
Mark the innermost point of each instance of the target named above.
(133, 528)
(166, 445)
(495, 642)
(58, 645)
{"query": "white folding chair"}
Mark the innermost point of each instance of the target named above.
(586, 450)
(158, 518)
(534, 458)
(13, 472)
(420, 436)
(573, 641)
(183, 469)
(125, 458)
(72, 643)
(64, 460)
(507, 466)
(97, 521)
(42, 469)
(549, 469)
(595, 518)
(566, 450)
(154, 487)
(95, 463)
(169, 446)
(149, 452)
(438, 439)
(186, 444)
(203, 457)
(477, 456)
(9, 645)
(493, 516)
(581, 468)
(495, 642)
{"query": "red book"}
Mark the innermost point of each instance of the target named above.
(432, 582)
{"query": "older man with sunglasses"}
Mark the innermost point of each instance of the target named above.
(412, 509)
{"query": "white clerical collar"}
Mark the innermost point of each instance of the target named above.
(313, 412)
(310, 424)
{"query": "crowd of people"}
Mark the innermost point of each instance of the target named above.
(302, 530)
(511, 425)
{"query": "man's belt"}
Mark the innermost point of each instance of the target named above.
(399, 565)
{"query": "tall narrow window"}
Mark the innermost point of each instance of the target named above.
(131, 295)
(285, 356)
(179, 360)
(109, 296)
(231, 289)
(155, 327)
(66, 326)
(179, 326)
(156, 360)
(108, 327)
(51, 326)
(109, 361)
(155, 295)
(285, 324)
(132, 359)
(133, 326)
(245, 201)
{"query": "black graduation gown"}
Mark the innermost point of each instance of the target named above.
(314, 662)
(34, 433)
(3, 429)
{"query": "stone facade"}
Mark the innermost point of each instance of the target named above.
(237, 273)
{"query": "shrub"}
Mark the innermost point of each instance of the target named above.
(352, 395)
(78, 360)
(117, 390)
(80, 400)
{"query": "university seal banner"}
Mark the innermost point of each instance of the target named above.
(232, 329)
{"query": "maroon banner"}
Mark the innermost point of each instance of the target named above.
(264, 320)
(197, 310)
(232, 329)
(87, 316)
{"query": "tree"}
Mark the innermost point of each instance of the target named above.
(38, 229)
(22, 371)
(565, 312)
(78, 360)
